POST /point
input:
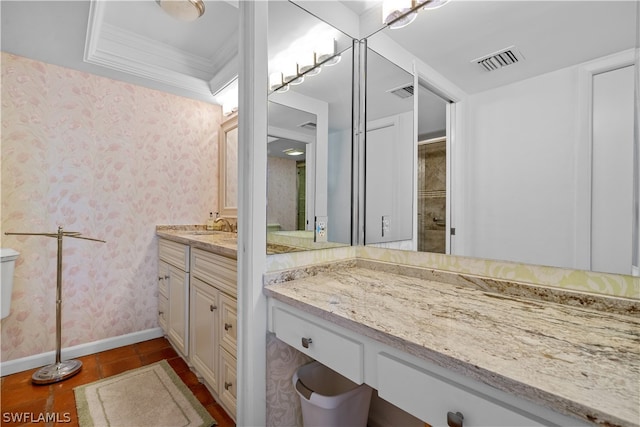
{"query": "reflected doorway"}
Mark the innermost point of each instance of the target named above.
(432, 195)
(432, 173)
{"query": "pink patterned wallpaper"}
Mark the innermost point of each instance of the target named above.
(110, 160)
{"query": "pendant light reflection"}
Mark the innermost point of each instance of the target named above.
(400, 13)
(183, 10)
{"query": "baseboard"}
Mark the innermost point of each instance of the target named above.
(43, 359)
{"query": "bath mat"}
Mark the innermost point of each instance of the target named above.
(153, 395)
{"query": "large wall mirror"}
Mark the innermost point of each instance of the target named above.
(228, 163)
(309, 125)
(538, 142)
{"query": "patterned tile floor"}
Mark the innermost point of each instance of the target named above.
(19, 395)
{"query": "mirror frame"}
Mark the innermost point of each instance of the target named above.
(227, 126)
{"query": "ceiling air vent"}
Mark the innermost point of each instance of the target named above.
(308, 125)
(500, 59)
(404, 91)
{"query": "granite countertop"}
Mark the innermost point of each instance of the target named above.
(576, 361)
(220, 242)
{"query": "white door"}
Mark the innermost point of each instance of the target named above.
(612, 171)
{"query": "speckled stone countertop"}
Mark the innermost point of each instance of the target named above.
(220, 242)
(574, 360)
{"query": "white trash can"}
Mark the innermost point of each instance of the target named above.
(329, 399)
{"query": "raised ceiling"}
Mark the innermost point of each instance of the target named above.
(133, 41)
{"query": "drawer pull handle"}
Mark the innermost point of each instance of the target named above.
(161, 313)
(454, 419)
(227, 385)
(306, 342)
(160, 278)
(212, 307)
(227, 326)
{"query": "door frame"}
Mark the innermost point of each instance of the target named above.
(584, 159)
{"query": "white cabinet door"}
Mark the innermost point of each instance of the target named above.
(178, 309)
(204, 320)
(228, 384)
(163, 294)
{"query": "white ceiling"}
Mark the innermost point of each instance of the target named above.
(549, 34)
(136, 41)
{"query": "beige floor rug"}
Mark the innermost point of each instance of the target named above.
(152, 395)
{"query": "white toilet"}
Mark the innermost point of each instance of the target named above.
(6, 285)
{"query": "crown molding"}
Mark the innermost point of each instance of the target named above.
(125, 51)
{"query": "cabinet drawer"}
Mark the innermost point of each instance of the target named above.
(337, 352)
(228, 383)
(228, 324)
(216, 270)
(430, 397)
(163, 312)
(174, 253)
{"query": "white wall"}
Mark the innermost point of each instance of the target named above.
(520, 143)
(282, 193)
(339, 187)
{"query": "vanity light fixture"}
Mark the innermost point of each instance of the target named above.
(301, 62)
(184, 10)
(400, 13)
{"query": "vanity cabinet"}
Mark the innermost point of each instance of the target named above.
(434, 394)
(214, 324)
(173, 293)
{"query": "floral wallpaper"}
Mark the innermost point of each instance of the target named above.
(107, 159)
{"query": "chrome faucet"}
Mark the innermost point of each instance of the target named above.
(226, 222)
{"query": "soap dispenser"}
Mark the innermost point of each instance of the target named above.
(210, 221)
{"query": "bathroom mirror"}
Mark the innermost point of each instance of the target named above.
(542, 158)
(389, 148)
(290, 170)
(228, 163)
(312, 114)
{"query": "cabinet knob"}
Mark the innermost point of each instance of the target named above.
(306, 342)
(454, 419)
(227, 385)
(227, 326)
(212, 307)
(161, 313)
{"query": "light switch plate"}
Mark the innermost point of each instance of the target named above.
(320, 234)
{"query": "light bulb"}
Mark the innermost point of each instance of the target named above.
(393, 9)
(434, 4)
(275, 80)
(325, 49)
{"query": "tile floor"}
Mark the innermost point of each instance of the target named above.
(19, 395)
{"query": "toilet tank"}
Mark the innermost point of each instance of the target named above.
(8, 257)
